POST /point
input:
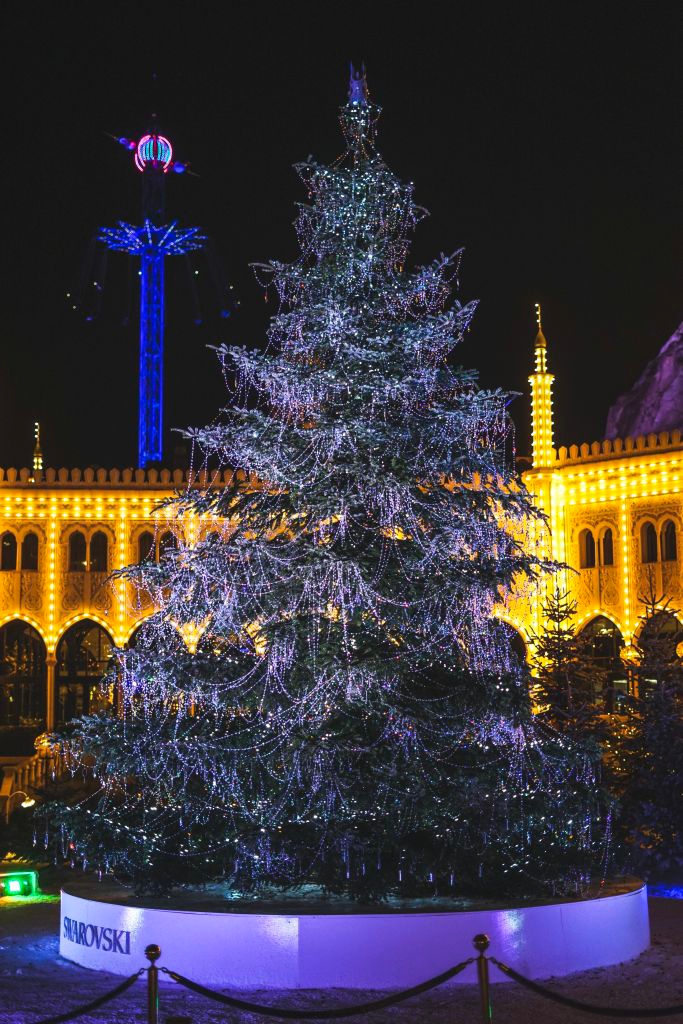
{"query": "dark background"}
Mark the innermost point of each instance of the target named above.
(545, 138)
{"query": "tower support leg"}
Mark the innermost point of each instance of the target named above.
(151, 379)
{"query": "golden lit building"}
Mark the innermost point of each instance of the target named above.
(614, 508)
(615, 512)
(62, 533)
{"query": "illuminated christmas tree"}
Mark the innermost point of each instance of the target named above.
(325, 697)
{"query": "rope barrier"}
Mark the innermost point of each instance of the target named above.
(95, 1004)
(481, 944)
(330, 1014)
(576, 1004)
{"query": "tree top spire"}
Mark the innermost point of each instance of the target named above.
(358, 86)
(359, 116)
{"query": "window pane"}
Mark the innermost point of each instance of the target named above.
(29, 553)
(98, 552)
(648, 543)
(77, 557)
(8, 552)
(669, 550)
(586, 550)
(168, 542)
(145, 545)
(608, 548)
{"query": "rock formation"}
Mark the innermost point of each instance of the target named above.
(655, 402)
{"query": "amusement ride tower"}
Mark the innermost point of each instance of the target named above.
(152, 241)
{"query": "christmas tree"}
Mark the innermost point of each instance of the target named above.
(325, 698)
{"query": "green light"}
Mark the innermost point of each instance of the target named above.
(18, 883)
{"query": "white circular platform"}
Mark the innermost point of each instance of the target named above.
(370, 951)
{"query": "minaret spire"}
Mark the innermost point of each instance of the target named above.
(540, 345)
(37, 452)
(541, 382)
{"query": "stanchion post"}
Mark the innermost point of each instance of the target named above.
(152, 953)
(481, 944)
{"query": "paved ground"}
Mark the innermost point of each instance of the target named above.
(36, 983)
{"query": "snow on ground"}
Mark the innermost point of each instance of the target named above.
(36, 983)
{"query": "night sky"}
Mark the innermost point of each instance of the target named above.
(546, 142)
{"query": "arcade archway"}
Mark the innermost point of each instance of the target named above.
(660, 643)
(602, 643)
(661, 634)
(509, 639)
(83, 656)
(23, 676)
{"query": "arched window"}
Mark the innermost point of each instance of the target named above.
(147, 635)
(83, 656)
(608, 547)
(98, 552)
(604, 638)
(514, 641)
(601, 643)
(29, 553)
(77, 552)
(668, 541)
(134, 637)
(8, 552)
(658, 640)
(648, 543)
(22, 682)
(145, 546)
(586, 549)
(167, 542)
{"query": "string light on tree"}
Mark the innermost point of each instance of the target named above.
(350, 715)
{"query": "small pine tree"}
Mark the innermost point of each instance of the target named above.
(352, 717)
(569, 678)
(652, 797)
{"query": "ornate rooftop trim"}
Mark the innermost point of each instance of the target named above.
(89, 478)
(619, 447)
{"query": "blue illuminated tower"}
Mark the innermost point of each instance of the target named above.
(152, 241)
